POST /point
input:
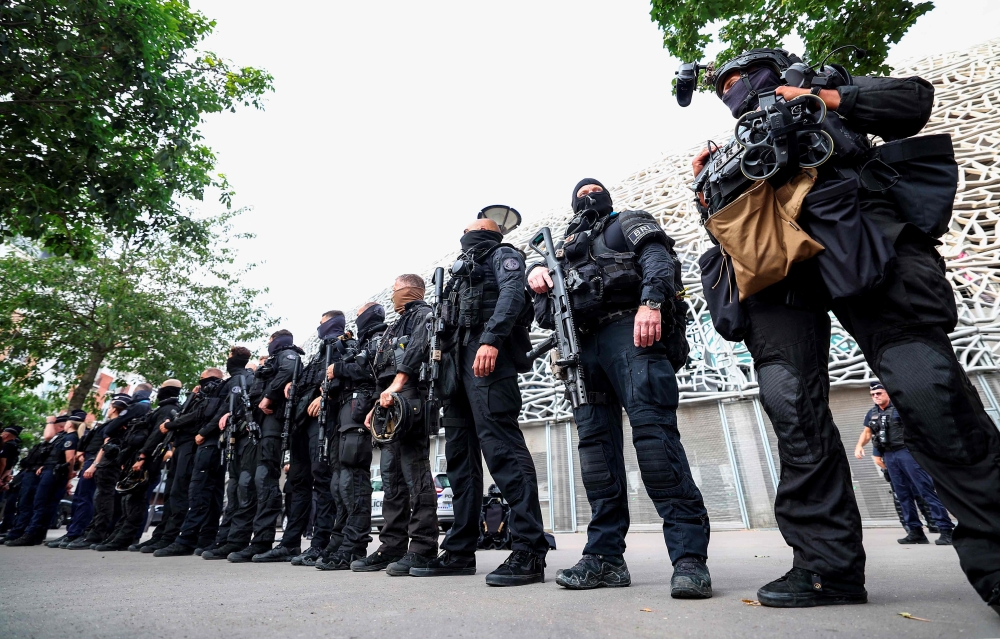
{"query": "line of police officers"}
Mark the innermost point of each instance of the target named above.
(631, 336)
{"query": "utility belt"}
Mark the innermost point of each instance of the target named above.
(594, 324)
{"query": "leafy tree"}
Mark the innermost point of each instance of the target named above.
(823, 25)
(144, 304)
(100, 104)
(20, 406)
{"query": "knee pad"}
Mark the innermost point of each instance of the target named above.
(596, 471)
(942, 414)
(786, 402)
(659, 466)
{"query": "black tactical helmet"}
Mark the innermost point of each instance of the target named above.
(777, 59)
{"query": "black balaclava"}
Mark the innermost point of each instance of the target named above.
(472, 239)
(741, 99)
(371, 317)
(600, 202)
(208, 382)
(282, 341)
(237, 361)
(167, 392)
(333, 327)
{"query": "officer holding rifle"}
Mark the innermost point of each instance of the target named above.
(622, 288)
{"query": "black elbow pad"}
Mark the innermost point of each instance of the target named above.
(641, 228)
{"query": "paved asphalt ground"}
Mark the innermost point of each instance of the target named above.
(61, 593)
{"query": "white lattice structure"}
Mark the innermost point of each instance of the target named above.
(967, 105)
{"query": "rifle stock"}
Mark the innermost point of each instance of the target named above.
(324, 455)
(286, 427)
(430, 371)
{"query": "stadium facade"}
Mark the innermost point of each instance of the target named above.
(728, 438)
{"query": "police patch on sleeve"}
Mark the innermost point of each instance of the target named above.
(290, 356)
(636, 234)
(68, 444)
(511, 264)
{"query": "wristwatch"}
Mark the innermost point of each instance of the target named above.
(652, 305)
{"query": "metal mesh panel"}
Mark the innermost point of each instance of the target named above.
(752, 461)
(705, 444)
(562, 515)
(534, 437)
(849, 406)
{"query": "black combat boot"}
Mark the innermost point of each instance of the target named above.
(308, 558)
(80, 543)
(276, 555)
(152, 548)
(175, 549)
(23, 540)
(246, 555)
(520, 569)
(402, 567)
(944, 539)
(691, 579)
(595, 571)
(139, 547)
(222, 551)
(447, 564)
(55, 542)
(338, 561)
(800, 588)
(374, 562)
(914, 536)
(111, 546)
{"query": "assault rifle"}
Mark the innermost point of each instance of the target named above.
(253, 430)
(566, 366)
(430, 371)
(286, 428)
(324, 455)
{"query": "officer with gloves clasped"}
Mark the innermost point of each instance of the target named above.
(631, 341)
(484, 307)
(880, 274)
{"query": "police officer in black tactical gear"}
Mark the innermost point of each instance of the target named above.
(631, 341)
(409, 537)
(186, 460)
(106, 469)
(349, 401)
(236, 525)
(309, 476)
(282, 365)
(909, 481)
(485, 301)
(53, 475)
(17, 516)
(901, 325)
(135, 502)
(206, 484)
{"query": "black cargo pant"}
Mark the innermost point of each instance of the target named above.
(310, 479)
(106, 475)
(266, 477)
(410, 502)
(902, 329)
(182, 467)
(351, 484)
(205, 495)
(135, 509)
(241, 495)
(619, 374)
(481, 418)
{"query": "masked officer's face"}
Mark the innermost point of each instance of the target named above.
(730, 80)
(587, 189)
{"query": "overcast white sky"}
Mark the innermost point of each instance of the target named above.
(394, 122)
